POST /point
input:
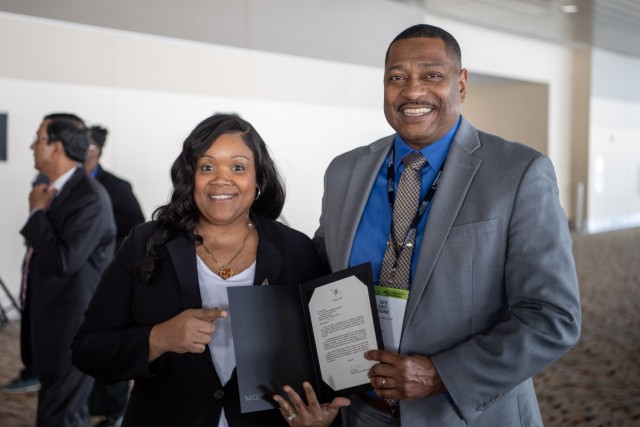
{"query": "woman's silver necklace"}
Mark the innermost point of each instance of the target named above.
(223, 270)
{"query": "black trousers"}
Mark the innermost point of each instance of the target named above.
(62, 401)
(64, 393)
(26, 353)
(109, 399)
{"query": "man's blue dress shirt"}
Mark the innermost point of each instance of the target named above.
(370, 242)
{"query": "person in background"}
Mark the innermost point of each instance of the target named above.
(71, 235)
(160, 314)
(126, 209)
(110, 401)
(470, 248)
(27, 380)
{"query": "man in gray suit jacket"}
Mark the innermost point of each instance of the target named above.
(493, 293)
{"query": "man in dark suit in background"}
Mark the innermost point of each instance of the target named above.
(110, 401)
(126, 209)
(27, 381)
(71, 235)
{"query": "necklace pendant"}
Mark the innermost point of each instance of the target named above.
(225, 272)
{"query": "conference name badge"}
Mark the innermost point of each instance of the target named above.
(392, 303)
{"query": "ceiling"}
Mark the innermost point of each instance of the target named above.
(354, 31)
(612, 25)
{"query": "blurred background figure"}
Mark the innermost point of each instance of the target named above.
(27, 380)
(70, 234)
(110, 401)
(126, 209)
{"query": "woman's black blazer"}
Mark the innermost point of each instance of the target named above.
(112, 343)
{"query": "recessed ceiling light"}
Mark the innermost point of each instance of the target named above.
(569, 8)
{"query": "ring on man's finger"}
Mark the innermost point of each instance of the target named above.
(291, 417)
(383, 382)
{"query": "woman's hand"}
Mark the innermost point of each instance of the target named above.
(298, 414)
(188, 332)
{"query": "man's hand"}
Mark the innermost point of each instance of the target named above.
(188, 332)
(398, 376)
(41, 196)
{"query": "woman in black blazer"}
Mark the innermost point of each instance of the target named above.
(159, 314)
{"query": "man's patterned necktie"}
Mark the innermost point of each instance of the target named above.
(397, 274)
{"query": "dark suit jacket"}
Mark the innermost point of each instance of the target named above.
(495, 294)
(126, 209)
(177, 389)
(73, 243)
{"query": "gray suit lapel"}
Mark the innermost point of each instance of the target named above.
(460, 168)
(365, 171)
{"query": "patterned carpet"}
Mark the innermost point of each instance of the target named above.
(595, 384)
(598, 382)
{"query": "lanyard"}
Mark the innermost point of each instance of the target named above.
(422, 208)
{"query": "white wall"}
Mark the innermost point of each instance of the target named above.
(614, 149)
(151, 91)
(491, 52)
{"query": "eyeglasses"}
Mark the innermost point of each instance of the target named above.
(37, 139)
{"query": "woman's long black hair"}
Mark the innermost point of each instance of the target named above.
(180, 215)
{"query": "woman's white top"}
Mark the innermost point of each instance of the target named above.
(213, 291)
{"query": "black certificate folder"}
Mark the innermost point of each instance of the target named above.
(316, 332)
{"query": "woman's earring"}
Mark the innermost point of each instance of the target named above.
(257, 193)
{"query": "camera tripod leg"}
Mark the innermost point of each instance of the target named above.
(4, 319)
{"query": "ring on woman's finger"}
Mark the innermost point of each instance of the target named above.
(291, 417)
(383, 382)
